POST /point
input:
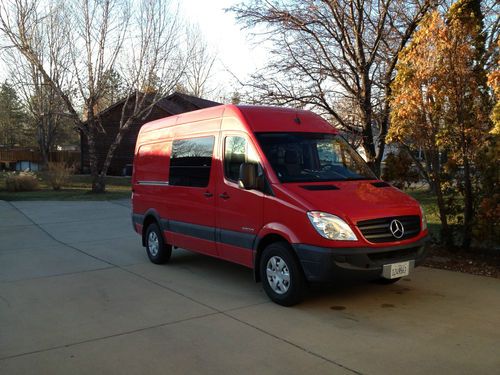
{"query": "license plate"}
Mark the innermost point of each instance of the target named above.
(395, 270)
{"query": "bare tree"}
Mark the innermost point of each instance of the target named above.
(139, 40)
(46, 109)
(152, 67)
(200, 65)
(329, 52)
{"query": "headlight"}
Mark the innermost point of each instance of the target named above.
(424, 220)
(331, 227)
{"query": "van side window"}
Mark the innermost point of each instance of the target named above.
(149, 157)
(191, 161)
(234, 155)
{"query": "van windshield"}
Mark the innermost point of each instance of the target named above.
(313, 157)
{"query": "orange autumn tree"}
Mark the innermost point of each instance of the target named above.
(494, 83)
(439, 104)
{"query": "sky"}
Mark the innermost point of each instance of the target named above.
(236, 54)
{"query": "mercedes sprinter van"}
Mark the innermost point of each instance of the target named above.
(276, 190)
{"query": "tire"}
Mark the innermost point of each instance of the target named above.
(281, 275)
(384, 281)
(158, 252)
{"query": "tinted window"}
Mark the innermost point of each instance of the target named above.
(190, 161)
(311, 157)
(234, 156)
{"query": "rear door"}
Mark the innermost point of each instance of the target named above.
(191, 193)
(239, 212)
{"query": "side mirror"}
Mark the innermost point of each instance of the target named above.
(248, 176)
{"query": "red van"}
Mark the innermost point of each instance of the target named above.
(277, 190)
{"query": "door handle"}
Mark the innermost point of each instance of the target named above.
(208, 194)
(224, 195)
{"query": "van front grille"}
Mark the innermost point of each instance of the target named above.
(378, 230)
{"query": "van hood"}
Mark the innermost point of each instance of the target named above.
(356, 200)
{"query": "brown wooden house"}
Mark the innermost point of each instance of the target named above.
(173, 104)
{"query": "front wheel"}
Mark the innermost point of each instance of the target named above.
(158, 251)
(281, 275)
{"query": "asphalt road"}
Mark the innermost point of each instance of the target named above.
(79, 296)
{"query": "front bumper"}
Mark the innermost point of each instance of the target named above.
(322, 264)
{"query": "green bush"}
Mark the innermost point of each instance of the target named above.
(22, 181)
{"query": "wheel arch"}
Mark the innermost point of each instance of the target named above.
(268, 237)
(151, 216)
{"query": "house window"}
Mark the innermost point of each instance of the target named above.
(191, 161)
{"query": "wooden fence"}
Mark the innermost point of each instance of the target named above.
(12, 156)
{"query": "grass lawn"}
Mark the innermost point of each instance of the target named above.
(77, 189)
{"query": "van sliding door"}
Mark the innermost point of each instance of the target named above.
(191, 194)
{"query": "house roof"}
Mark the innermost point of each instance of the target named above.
(179, 103)
(174, 104)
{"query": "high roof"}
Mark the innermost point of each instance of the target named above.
(277, 119)
(258, 118)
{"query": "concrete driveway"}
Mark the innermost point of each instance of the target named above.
(78, 295)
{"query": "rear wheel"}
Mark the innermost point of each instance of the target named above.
(158, 251)
(281, 275)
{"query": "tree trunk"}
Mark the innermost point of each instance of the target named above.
(446, 234)
(468, 205)
(421, 169)
(384, 126)
(42, 142)
(428, 167)
(112, 148)
(45, 155)
(377, 167)
(98, 183)
(111, 152)
(369, 147)
(367, 139)
(366, 110)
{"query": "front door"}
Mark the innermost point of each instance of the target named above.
(238, 211)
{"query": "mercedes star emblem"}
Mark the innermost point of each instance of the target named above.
(397, 228)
